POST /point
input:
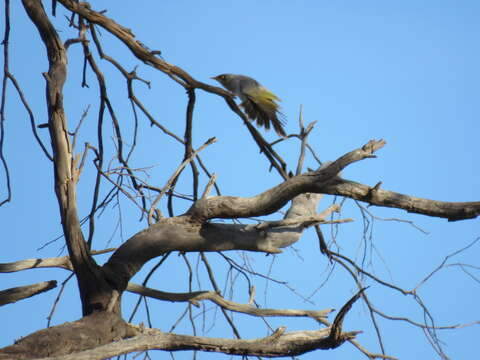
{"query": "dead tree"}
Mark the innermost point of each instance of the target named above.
(102, 332)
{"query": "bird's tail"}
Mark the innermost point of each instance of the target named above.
(264, 109)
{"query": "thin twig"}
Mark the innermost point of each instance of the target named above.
(174, 176)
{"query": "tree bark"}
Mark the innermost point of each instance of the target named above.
(95, 293)
(89, 332)
(22, 292)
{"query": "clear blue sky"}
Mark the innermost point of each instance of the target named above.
(404, 71)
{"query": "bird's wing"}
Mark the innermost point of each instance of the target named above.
(265, 111)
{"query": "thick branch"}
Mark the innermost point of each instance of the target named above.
(273, 199)
(55, 262)
(183, 234)
(449, 210)
(22, 292)
(104, 335)
(326, 181)
(71, 337)
(279, 344)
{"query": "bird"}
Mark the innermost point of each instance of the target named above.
(259, 103)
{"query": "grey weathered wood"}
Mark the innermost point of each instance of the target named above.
(15, 294)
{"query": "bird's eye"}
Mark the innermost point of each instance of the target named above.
(222, 77)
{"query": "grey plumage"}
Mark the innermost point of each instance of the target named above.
(259, 103)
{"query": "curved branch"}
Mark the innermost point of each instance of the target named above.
(195, 297)
(30, 114)
(184, 234)
(326, 181)
(336, 329)
(273, 199)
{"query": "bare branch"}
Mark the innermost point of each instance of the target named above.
(302, 221)
(303, 137)
(211, 276)
(277, 345)
(273, 199)
(90, 331)
(336, 330)
(30, 114)
(56, 262)
(195, 297)
(210, 184)
(22, 292)
(449, 210)
(175, 175)
(57, 298)
(442, 264)
(3, 101)
(182, 234)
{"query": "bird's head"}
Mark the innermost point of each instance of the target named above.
(223, 79)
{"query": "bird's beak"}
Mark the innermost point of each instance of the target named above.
(214, 77)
